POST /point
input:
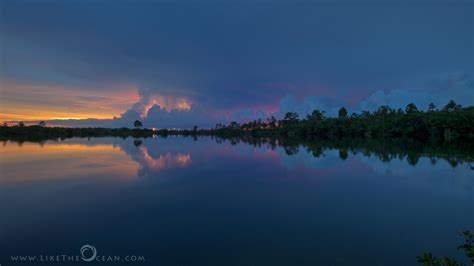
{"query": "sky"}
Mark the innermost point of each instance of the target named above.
(186, 63)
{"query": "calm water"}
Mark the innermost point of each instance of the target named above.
(180, 201)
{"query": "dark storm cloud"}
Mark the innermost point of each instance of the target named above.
(239, 55)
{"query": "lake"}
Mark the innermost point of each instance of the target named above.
(209, 201)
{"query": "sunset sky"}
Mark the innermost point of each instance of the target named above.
(107, 63)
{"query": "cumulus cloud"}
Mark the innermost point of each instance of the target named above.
(247, 114)
(306, 106)
(150, 98)
(160, 117)
(160, 110)
(456, 86)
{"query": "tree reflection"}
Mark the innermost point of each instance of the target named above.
(385, 150)
(343, 154)
(137, 142)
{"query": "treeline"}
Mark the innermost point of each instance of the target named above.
(39, 133)
(450, 123)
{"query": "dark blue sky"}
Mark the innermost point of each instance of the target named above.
(238, 59)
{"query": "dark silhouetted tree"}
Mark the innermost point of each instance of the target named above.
(451, 106)
(431, 107)
(272, 122)
(316, 115)
(233, 125)
(42, 124)
(137, 142)
(138, 124)
(342, 113)
(411, 108)
(291, 116)
(383, 111)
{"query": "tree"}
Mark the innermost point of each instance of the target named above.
(233, 125)
(21, 124)
(431, 107)
(195, 128)
(42, 124)
(343, 113)
(272, 121)
(316, 115)
(411, 108)
(354, 115)
(452, 106)
(291, 116)
(383, 110)
(365, 114)
(138, 124)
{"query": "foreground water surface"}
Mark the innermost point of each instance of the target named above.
(185, 201)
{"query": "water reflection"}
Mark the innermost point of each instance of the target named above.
(36, 162)
(167, 160)
(180, 200)
(155, 155)
(26, 161)
(385, 150)
(110, 156)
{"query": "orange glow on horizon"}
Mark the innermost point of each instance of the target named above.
(47, 116)
(30, 102)
(70, 161)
